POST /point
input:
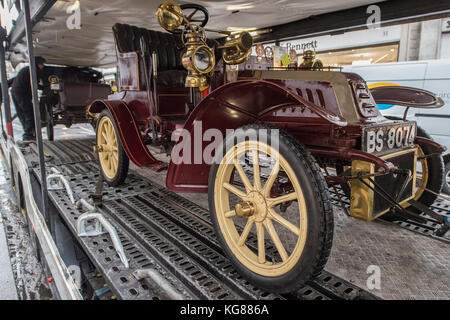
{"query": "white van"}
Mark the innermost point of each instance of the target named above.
(431, 75)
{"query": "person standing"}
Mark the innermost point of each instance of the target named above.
(23, 98)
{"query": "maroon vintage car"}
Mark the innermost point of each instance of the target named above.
(264, 144)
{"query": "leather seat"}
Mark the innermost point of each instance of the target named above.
(169, 49)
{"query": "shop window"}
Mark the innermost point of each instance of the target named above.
(359, 56)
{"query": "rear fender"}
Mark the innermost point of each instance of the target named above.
(405, 96)
(129, 133)
(436, 147)
(229, 107)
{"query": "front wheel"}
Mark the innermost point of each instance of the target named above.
(114, 162)
(270, 208)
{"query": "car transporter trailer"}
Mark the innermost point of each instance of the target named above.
(140, 240)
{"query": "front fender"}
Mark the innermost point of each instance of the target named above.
(129, 133)
(229, 107)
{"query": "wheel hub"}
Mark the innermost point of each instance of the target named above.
(245, 209)
(255, 206)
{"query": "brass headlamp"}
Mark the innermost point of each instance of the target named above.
(237, 49)
(170, 15)
(54, 83)
(199, 58)
(53, 79)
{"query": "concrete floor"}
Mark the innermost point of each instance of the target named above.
(7, 283)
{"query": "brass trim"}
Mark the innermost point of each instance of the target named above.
(362, 197)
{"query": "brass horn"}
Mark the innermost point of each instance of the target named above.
(237, 49)
(170, 15)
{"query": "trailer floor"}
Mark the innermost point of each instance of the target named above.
(171, 234)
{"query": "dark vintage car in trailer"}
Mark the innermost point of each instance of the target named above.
(67, 92)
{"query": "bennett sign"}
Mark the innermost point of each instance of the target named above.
(360, 38)
(302, 46)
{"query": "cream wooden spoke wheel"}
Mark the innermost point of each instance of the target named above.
(422, 174)
(113, 160)
(267, 210)
(258, 207)
(429, 176)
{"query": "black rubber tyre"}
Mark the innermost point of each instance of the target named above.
(49, 124)
(12, 173)
(319, 236)
(19, 193)
(446, 187)
(123, 161)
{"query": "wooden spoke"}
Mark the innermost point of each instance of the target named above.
(284, 198)
(234, 190)
(102, 156)
(246, 231)
(256, 171)
(271, 180)
(105, 136)
(114, 162)
(261, 247)
(288, 225)
(244, 178)
(110, 130)
(276, 240)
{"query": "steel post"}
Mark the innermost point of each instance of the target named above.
(4, 80)
(37, 113)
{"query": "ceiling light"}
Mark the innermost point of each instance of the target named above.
(238, 7)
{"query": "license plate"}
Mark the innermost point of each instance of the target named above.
(384, 139)
(55, 86)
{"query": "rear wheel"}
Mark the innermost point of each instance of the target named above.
(430, 173)
(270, 209)
(114, 162)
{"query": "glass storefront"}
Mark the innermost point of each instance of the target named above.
(359, 56)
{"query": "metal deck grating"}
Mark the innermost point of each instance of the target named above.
(167, 232)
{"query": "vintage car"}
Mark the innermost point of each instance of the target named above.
(67, 93)
(283, 131)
